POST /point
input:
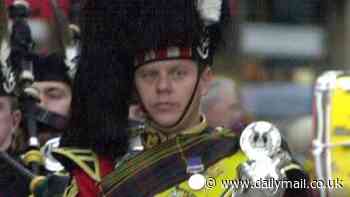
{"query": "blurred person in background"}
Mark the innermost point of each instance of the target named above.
(11, 182)
(222, 105)
(53, 66)
(54, 84)
(51, 112)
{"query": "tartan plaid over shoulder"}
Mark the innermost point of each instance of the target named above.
(162, 167)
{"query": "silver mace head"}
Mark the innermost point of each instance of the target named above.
(261, 143)
(260, 140)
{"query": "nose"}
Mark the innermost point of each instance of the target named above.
(43, 101)
(164, 84)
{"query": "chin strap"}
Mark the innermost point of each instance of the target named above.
(49, 119)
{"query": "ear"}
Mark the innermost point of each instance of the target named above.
(16, 118)
(205, 81)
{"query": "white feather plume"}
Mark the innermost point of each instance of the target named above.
(9, 82)
(209, 11)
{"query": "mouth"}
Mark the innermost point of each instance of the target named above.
(164, 106)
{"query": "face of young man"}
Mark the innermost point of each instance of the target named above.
(165, 88)
(9, 121)
(54, 96)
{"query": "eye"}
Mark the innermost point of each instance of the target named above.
(256, 137)
(265, 138)
(148, 75)
(55, 94)
(178, 74)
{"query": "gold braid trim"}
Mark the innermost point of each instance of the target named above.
(81, 158)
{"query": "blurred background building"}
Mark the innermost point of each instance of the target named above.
(276, 49)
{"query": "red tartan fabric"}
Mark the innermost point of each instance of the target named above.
(87, 186)
(162, 54)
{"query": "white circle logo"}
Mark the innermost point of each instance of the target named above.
(196, 181)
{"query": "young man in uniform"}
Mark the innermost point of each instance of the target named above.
(54, 84)
(174, 45)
